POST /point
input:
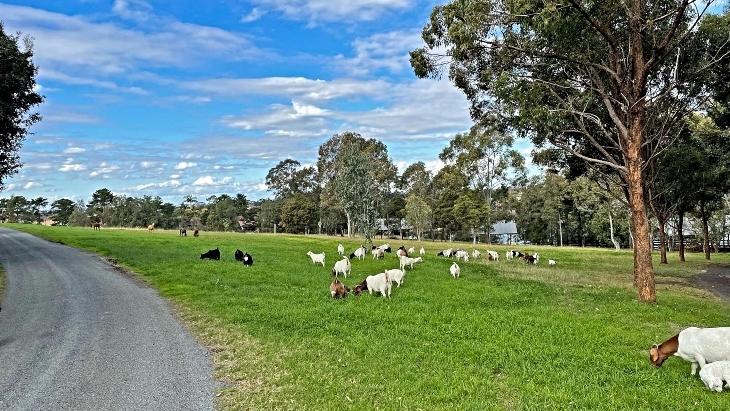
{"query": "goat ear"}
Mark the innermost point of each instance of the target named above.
(655, 346)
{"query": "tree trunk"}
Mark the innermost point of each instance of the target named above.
(680, 234)
(349, 225)
(706, 235)
(643, 268)
(616, 244)
(662, 240)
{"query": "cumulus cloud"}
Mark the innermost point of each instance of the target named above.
(74, 150)
(183, 165)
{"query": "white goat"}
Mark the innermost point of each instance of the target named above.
(493, 255)
(551, 262)
(696, 345)
(476, 254)
(378, 253)
(411, 250)
(462, 255)
(423, 251)
(316, 258)
(446, 253)
(455, 270)
(396, 276)
(359, 253)
(340, 250)
(343, 266)
(379, 283)
(408, 261)
(714, 373)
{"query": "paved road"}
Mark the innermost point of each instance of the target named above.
(76, 334)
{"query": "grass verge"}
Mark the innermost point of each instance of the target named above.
(503, 336)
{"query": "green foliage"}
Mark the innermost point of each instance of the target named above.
(299, 214)
(504, 336)
(418, 214)
(17, 98)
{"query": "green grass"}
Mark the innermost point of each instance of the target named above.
(504, 336)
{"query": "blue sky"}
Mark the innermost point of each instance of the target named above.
(177, 98)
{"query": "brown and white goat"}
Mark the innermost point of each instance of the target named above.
(337, 289)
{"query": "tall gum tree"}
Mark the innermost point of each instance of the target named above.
(603, 81)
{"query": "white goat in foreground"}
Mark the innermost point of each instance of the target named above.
(379, 283)
(455, 270)
(696, 345)
(714, 373)
(408, 261)
(343, 266)
(316, 258)
(396, 276)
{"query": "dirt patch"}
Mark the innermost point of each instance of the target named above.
(715, 280)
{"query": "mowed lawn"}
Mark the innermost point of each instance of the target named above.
(503, 336)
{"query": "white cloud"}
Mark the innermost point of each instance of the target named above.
(255, 14)
(135, 10)
(72, 167)
(31, 184)
(327, 10)
(74, 150)
(183, 165)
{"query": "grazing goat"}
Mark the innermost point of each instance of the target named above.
(401, 252)
(411, 250)
(151, 227)
(359, 253)
(378, 253)
(714, 373)
(476, 254)
(396, 276)
(360, 288)
(551, 262)
(492, 255)
(211, 254)
(696, 345)
(96, 226)
(238, 255)
(247, 259)
(340, 250)
(337, 289)
(423, 251)
(379, 283)
(462, 255)
(316, 258)
(512, 254)
(455, 270)
(445, 253)
(196, 233)
(531, 259)
(408, 261)
(183, 232)
(343, 266)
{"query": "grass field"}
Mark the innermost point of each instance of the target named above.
(503, 336)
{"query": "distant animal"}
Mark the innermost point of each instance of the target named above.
(195, 233)
(512, 254)
(401, 252)
(714, 373)
(151, 227)
(551, 262)
(408, 261)
(96, 226)
(343, 266)
(696, 345)
(379, 283)
(423, 251)
(337, 289)
(455, 270)
(359, 253)
(214, 254)
(183, 232)
(476, 253)
(396, 276)
(340, 250)
(316, 258)
(492, 255)
(378, 253)
(411, 250)
(446, 253)
(247, 259)
(385, 247)
(531, 259)
(462, 255)
(238, 255)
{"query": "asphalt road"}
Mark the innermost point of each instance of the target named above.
(76, 334)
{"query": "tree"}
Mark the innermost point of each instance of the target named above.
(418, 214)
(62, 210)
(356, 190)
(287, 179)
(17, 98)
(472, 211)
(612, 99)
(299, 214)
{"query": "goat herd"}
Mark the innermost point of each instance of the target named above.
(382, 282)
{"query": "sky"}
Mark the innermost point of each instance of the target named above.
(188, 97)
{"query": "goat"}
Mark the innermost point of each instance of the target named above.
(696, 345)
(151, 227)
(96, 226)
(211, 254)
(378, 253)
(183, 232)
(359, 253)
(714, 373)
(343, 266)
(476, 254)
(455, 270)
(531, 259)
(337, 289)
(462, 255)
(379, 283)
(247, 259)
(238, 255)
(396, 276)
(445, 253)
(358, 289)
(512, 254)
(340, 250)
(401, 252)
(196, 233)
(551, 262)
(408, 261)
(423, 251)
(316, 258)
(492, 255)
(411, 250)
